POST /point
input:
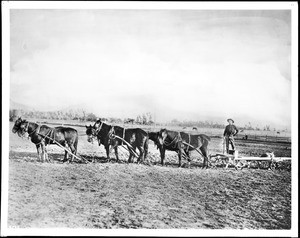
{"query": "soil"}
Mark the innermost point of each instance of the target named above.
(104, 194)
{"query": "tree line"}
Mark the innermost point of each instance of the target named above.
(78, 115)
(141, 119)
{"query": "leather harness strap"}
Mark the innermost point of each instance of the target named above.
(123, 135)
(98, 129)
(26, 129)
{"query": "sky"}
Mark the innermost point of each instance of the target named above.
(176, 64)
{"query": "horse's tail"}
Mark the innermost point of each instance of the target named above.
(204, 140)
(208, 138)
(205, 137)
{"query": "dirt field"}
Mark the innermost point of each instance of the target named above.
(120, 195)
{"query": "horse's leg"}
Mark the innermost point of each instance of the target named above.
(46, 155)
(66, 153)
(141, 157)
(181, 153)
(179, 157)
(145, 150)
(67, 146)
(188, 158)
(162, 155)
(73, 150)
(65, 157)
(43, 152)
(107, 152)
(116, 152)
(38, 152)
(203, 150)
(130, 158)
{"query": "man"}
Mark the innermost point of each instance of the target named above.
(229, 132)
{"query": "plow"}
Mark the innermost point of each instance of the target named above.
(214, 160)
(266, 161)
(241, 162)
(231, 159)
(130, 149)
(64, 148)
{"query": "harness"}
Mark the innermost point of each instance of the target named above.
(97, 131)
(174, 141)
(123, 137)
(112, 136)
(51, 132)
(26, 129)
(111, 133)
(44, 136)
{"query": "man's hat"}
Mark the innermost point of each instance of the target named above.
(230, 120)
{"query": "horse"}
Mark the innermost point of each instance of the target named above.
(182, 143)
(42, 135)
(109, 135)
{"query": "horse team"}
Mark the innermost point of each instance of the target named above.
(111, 137)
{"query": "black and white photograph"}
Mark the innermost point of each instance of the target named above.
(149, 118)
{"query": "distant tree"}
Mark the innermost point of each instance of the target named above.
(128, 120)
(149, 117)
(150, 122)
(175, 122)
(139, 119)
(91, 117)
(144, 119)
(84, 115)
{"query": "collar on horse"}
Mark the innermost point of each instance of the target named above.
(26, 129)
(111, 133)
(99, 128)
(37, 130)
(96, 133)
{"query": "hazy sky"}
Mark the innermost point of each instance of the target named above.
(184, 64)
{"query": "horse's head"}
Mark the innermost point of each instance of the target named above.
(162, 135)
(20, 126)
(154, 137)
(17, 124)
(91, 132)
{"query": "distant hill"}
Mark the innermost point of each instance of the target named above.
(20, 106)
(78, 107)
